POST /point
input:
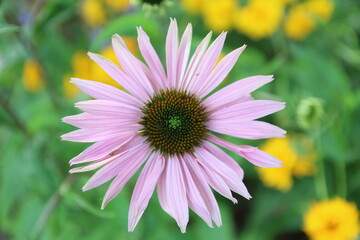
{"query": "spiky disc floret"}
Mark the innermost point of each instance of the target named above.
(174, 122)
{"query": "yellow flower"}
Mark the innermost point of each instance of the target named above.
(320, 8)
(260, 18)
(118, 5)
(297, 161)
(32, 75)
(93, 12)
(218, 14)
(193, 6)
(334, 219)
(299, 23)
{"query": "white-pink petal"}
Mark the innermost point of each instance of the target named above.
(183, 55)
(105, 92)
(132, 67)
(101, 149)
(106, 107)
(219, 73)
(230, 177)
(246, 130)
(206, 64)
(235, 90)
(204, 189)
(144, 188)
(248, 110)
(118, 75)
(152, 59)
(195, 61)
(95, 135)
(175, 193)
(252, 154)
(172, 43)
(125, 171)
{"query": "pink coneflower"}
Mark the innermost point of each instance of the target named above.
(167, 122)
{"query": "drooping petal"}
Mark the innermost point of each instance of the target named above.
(131, 66)
(125, 171)
(101, 149)
(105, 92)
(235, 90)
(229, 175)
(118, 75)
(248, 110)
(252, 154)
(151, 58)
(183, 55)
(207, 63)
(219, 73)
(195, 60)
(195, 200)
(172, 44)
(144, 188)
(247, 130)
(203, 188)
(175, 193)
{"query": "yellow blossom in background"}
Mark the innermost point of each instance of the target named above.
(298, 160)
(118, 5)
(299, 23)
(334, 219)
(193, 6)
(218, 14)
(32, 75)
(320, 8)
(260, 18)
(93, 12)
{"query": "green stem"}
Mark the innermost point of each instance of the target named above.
(50, 206)
(320, 178)
(341, 187)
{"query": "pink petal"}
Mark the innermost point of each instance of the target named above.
(106, 107)
(171, 54)
(101, 149)
(207, 63)
(175, 193)
(97, 164)
(87, 120)
(217, 182)
(219, 73)
(228, 174)
(247, 130)
(125, 172)
(248, 110)
(195, 60)
(105, 92)
(204, 189)
(195, 200)
(118, 75)
(144, 188)
(131, 66)
(151, 58)
(183, 55)
(252, 154)
(95, 135)
(235, 90)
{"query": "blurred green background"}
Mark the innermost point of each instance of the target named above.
(312, 48)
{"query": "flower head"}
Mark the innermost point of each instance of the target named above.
(333, 219)
(32, 75)
(167, 122)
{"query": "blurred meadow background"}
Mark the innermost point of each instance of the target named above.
(311, 46)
